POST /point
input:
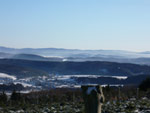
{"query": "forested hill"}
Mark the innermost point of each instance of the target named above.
(35, 68)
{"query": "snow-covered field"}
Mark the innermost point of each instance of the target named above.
(56, 81)
(3, 75)
(24, 84)
(66, 77)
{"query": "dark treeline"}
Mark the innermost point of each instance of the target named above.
(69, 95)
(17, 99)
(11, 87)
(39, 68)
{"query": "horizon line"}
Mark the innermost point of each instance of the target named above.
(71, 49)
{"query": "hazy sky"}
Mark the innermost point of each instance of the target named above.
(79, 24)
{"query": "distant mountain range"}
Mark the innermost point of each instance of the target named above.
(28, 57)
(58, 54)
(28, 62)
(75, 52)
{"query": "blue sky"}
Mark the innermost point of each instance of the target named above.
(78, 24)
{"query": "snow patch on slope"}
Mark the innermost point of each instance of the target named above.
(3, 75)
(66, 77)
(24, 84)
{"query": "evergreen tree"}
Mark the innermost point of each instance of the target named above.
(15, 96)
(3, 97)
(145, 85)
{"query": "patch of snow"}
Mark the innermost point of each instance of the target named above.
(77, 86)
(62, 86)
(65, 77)
(52, 56)
(64, 60)
(24, 84)
(120, 77)
(26, 91)
(3, 75)
(115, 85)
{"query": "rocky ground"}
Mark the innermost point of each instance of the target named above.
(129, 106)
